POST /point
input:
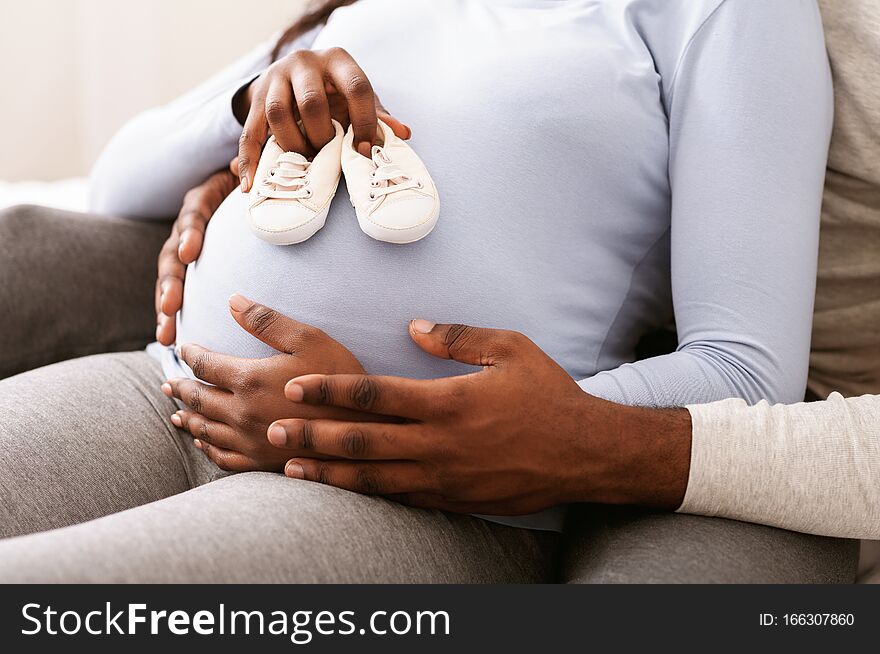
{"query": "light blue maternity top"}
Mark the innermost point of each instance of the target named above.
(604, 166)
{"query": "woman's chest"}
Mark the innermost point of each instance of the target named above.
(568, 82)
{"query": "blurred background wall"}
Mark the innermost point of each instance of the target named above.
(73, 71)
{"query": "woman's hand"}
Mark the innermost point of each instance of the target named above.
(184, 246)
(311, 87)
(229, 418)
(517, 437)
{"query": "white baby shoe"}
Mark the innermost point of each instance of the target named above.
(291, 195)
(393, 196)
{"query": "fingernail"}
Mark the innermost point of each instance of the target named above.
(158, 331)
(244, 184)
(166, 388)
(408, 132)
(176, 421)
(421, 326)
(239, 302)
(294, 392)
(197, 443)
(295, 470)
(277, 436)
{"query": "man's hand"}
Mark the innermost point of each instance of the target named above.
(184, 246)
(230, 416)
(517, 437)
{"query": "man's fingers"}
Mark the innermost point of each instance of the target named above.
(374, 478)
(211, 402)
(281, 118)
(250, 145)
(473, 345)
(206, 430)
(352, 83)
(218, 369)
(393, 396)
(347, 440)
(273, 328)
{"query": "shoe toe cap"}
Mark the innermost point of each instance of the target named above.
(404, 213)
(285, 223)
(280, 217)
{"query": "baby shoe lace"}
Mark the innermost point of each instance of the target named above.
(388, 177)
(288, 180)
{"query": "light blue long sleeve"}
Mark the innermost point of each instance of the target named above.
(159, 155)
(750, 113)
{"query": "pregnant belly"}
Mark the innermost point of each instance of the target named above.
(363, 292)
(360, 291)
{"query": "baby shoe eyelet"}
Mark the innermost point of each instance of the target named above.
(372, 195)
(419, 184)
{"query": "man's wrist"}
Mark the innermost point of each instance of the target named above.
(643, 455)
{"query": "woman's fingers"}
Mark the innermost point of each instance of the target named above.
(273, 328)
(352, 83)
(280, 116)
(191, 224)
(166, 329)
(170, 268)
(253, 138)
(370, 478)
(210, 401)
(220, 370)
(347, 440)
(401, 130)
(169, 285)
(312, 103)
(228, 460)
(206, 430)
(172, 296)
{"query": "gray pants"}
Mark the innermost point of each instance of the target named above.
(97, 485)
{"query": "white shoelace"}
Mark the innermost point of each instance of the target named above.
(388, 177)
(288, 180)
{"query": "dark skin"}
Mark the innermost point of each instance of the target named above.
(516, 437)
(294, 99)
(229, 417)
(184, 245)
